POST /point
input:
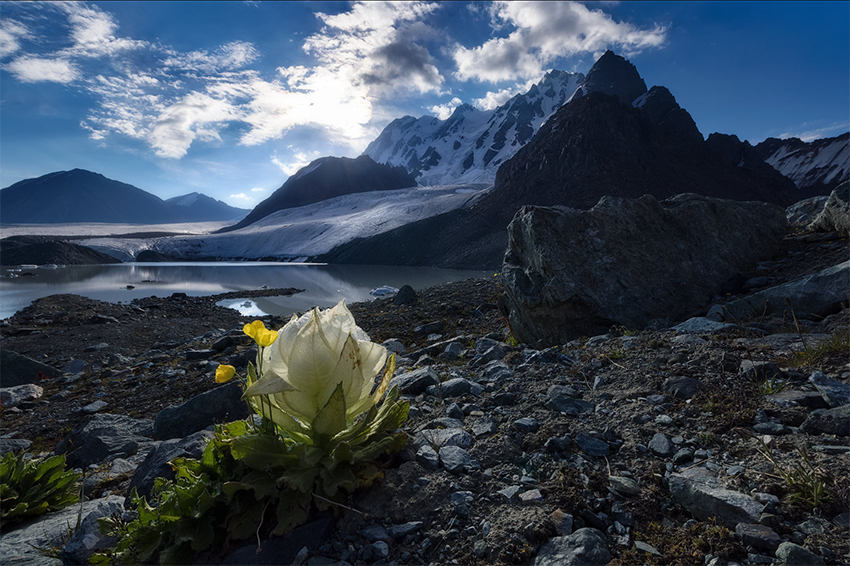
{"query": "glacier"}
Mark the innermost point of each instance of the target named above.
(296, 234)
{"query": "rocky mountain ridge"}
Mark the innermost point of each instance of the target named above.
(326, 178)
(816, 167)
(470, 145)
(84, 196)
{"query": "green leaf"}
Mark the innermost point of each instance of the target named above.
(197, 531)
(245, 520)
(300, 479)
(372, 450)
(262, 452)
(292, 510)
(330, 420)
(332, 480)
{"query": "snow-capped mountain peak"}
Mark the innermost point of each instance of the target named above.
(469, 145)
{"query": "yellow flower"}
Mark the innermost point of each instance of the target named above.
(224, 373)
(315, 355)
(261, 335)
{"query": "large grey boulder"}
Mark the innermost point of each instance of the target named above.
(632, 262)
(835, 216)
(698, 491)
(220, 405)
(156, 465)
(818, 295)
(17, 369)
(585, 547)
(20, 544)
(104, 435)
(802, 213)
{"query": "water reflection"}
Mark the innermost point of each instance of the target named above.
(324, 285)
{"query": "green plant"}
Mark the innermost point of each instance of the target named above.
(838, 343)
(321, 436)
(33, 487)
(707, 439)
(807, 483)
(772, 385)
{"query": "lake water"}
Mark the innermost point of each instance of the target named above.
(324, 285)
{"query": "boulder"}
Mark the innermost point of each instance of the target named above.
(21, 544)
(104, 435)
(698, 491)
(12, 396)
(17, 369)
(585, 547)
(835, 216)
(220, 405)
(630, 262)
(157, 463)
(816, 295)
(87, 539)
(802, 213)
(416, 381)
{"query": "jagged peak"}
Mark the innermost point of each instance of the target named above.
(614, 75)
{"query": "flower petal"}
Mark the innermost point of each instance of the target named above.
(269, 384)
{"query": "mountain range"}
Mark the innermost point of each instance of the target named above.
(326, 178)
(441, 192)
(83, 196)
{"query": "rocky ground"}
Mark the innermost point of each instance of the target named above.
(513, 449)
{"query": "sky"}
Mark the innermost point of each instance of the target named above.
(230, 98)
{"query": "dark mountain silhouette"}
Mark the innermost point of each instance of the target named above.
(596, 144)
(83, 196)
(329, 177)
(198, 207)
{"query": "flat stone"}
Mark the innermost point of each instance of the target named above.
(829, 421)
(698, 491)
(758, 536)
(87, 539)
(428, 458)
(156, 464)
(13, 396)
(531, 496)
(416, 381)
(771, 427)
(834, 392)
(759, 370)
(13, 445)
(438, 438)
(661, 445)
(511, 493)
(794, 398)
(568, 405)
(455, 387)
(682, 387)
(624, 485)
(93, 407)
(484, 425)
(455, 459)
(404, 529)
(526, 425)
(795, 555)
(702, 325)
(192, 355)
(374, 533)
(585, 547)
(592, 446)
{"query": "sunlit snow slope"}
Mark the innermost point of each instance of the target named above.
(307, 231)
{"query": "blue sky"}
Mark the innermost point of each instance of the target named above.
(230, 98)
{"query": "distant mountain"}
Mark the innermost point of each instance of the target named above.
(83, 196)
(329, 177)
(594, 145)
(197, 207)
(469, 146)
(816, 167)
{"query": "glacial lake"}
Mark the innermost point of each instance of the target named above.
(324, 285)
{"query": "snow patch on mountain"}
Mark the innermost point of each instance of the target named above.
(820, 162)
(469, 146)
(306, 231)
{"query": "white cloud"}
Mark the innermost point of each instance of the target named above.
(233, 55)
(301, 159)
(30, 69)
(93, 32)
(242, 196)
(258, 190)
(544, 31)
(193, 117)
(10, 32)
(810, 131)
(443, 111)
(495, 99)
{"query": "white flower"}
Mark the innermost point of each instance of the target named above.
(311, 357)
